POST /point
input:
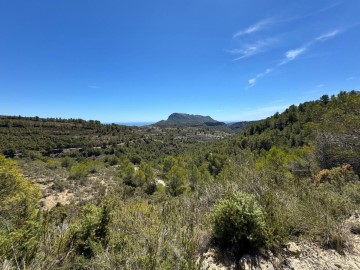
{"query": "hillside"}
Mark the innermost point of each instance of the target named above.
(240, 126)
(81, 195)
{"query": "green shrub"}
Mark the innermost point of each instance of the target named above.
(78, 171)
(135, 159)
(176, 181)
(113, 160)
(52, 164)
(19, 227)
(67, 162)
(239, 223)
(352, 191)
(82, 169)
(88, 234)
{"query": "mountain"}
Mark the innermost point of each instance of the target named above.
(189, 120)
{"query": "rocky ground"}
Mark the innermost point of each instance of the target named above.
(297, 256)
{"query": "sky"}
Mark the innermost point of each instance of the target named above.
(140, 60)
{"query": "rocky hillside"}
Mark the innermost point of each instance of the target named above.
(189, 120)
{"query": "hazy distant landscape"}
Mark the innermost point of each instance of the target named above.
(186, 135)
(136, 124)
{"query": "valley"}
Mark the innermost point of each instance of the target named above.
(79, 194)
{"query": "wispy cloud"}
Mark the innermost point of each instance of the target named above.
(333, 5)
(350, 78)
(328, 35)
(320, 85)
(252, 49)
(294, 53)
(254, 28)
(252, 81)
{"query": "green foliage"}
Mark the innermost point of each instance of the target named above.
(148, 171)
(136, 159)
(168, 163)
(194, 177)
(19, 199)
(82, 169)
(113, 160)
(90, 233)
(216, 163)
(276, 163)
(289, 168)
(67, 162)
(52, 164)
(239, 223)
(176, 181)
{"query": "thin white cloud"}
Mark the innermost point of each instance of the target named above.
(320, 85)
(294, 53)
(333, 5)
(328, 35)
(254, 28)
(350, 78)
(252, 81)
(252, 49)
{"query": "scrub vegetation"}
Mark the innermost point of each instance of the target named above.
(159, 197)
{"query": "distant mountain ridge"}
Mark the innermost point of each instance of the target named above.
(180, 117)
(189, 120)
(195, 120)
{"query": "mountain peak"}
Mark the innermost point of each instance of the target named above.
(189, 120)
(178, 117)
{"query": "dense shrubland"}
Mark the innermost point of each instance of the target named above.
(294, 175)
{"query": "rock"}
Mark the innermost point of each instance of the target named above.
(295, 264)
(248, 262)
(209, 262)
(293, 249)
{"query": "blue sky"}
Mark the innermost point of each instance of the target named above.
(124, 61)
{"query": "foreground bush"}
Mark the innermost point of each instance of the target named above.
(239, 223)
(18, 213)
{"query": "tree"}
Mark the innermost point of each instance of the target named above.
(324, 99)
(216, 163)
(168, 163)
(177, 180)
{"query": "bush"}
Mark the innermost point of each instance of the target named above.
(67, 162)
(52, 164)
(239, 223)
(88, 234)
(19, 229)
(78, 171)
(135, 159)
(113, 160)
(176, 181)
(82, 169)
